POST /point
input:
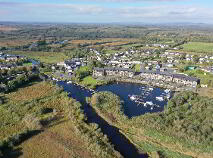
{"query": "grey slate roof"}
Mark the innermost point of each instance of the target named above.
(113, 69)
(180, 76)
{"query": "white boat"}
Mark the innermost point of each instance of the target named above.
(133, 97)
(150, 89)
(149, 103)
(167, 90)
(151, 108)
(159, 98)
(69, 82)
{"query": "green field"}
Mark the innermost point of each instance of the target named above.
(46, 57)
(198, 47)
(205, 77)
(137, 67)
(27, 64)
(90, 82)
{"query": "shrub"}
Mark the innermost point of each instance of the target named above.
(32, 122)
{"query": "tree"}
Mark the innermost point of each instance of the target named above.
(42, 43)
(12, 84)
(196, 59)
(83, 72)
(183, 56)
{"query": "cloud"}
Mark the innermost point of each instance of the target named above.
(31, 7)
(100, 13)
(172, 13)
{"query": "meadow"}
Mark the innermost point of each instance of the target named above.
(205, 77)
(40, 118)
(199, 47)
(92, 83)
(46, 57)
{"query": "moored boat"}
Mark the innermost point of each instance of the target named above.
(159, 98)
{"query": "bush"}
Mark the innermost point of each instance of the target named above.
(32, 122)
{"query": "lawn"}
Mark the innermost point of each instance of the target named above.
(137, 67)
(204, 77)
(46, 57)
(27, 64)
(198, 47)
(90, 82)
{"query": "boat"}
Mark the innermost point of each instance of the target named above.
(149, 103)
(150, 89)
(69, 82)
(133, 97)
(159, 98)
(167, 90)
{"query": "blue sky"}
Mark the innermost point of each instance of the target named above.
(107, 11)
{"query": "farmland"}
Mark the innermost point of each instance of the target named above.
(46, 57)
(7, 28)
(198, 47)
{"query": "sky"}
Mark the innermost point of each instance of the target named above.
(107, 11)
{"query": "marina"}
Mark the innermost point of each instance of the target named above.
(138, 99)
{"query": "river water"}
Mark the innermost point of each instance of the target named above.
(120, 142)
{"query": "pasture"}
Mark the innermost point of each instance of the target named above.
(198, 47)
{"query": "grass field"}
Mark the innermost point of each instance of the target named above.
(204, 77)
(57, 141)
(206, 92)
(27, 64)
(90, 82)
(198, 47)
(15, 42)
(8, 28)
(137, 67)
(17, 104)
(46, 57)
(62, 131)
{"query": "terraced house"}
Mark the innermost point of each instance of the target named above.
(169, 77)
(119, 72)
(147, 74)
